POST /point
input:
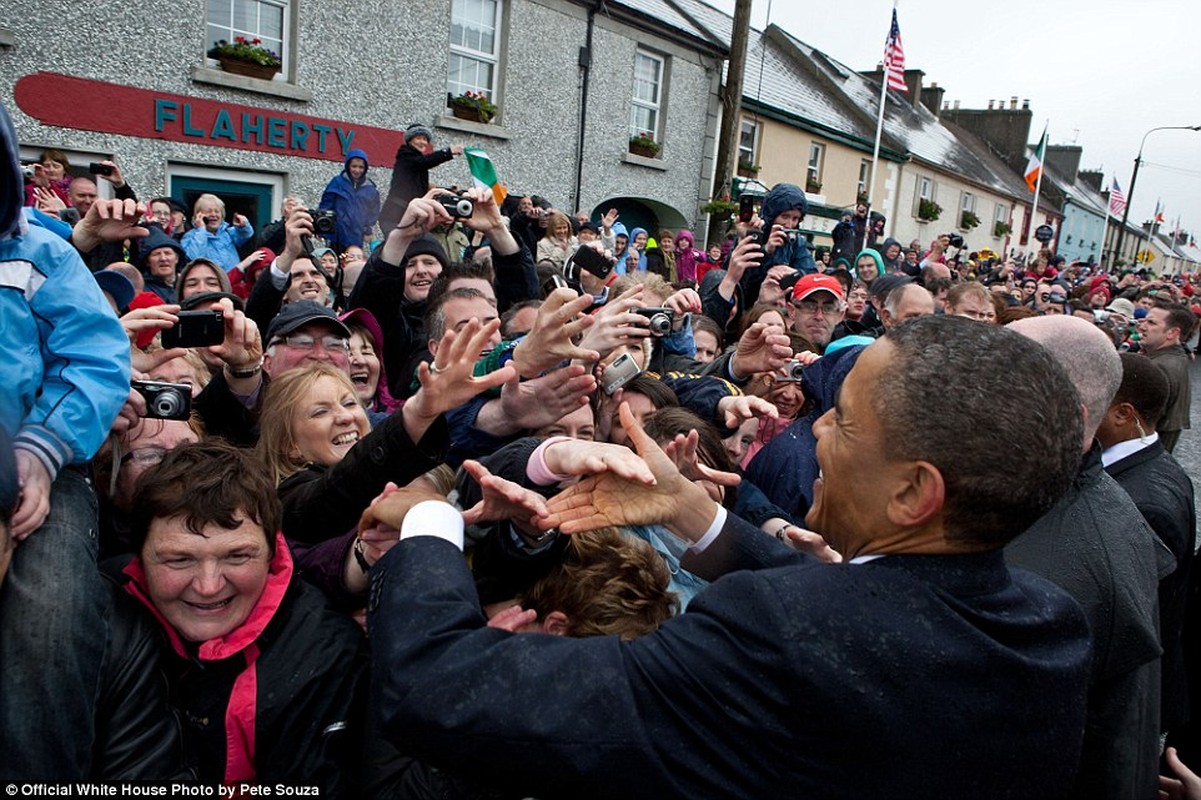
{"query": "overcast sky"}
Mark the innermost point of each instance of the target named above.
(1103, 72)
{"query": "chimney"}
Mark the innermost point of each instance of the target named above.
(1013, 103)
(932, 98)
(990, 105)
(946, 105)
(1065, 158)
(956, 106)
(913, 79)
(1026, 104)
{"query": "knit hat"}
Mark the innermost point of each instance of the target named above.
(155, 240)
(417, 129)
(426, 245)
(145, 300)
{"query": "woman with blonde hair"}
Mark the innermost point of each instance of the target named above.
(558, 242)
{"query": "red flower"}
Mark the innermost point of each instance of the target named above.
(256, 40)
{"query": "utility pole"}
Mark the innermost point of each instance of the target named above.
(731, 107)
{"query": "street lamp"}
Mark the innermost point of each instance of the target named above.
(1117, 251)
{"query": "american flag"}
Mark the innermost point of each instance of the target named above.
(1117, 200)
(894, 57)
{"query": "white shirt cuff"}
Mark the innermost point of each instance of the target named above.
(719, 522)
(279, 278)
(434, 518)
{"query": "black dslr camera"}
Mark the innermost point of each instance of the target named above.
(325, 222)
(458, 207)
(956, 240)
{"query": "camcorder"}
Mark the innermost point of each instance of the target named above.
(165, 400)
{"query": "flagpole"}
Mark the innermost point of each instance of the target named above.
(871, 186)
(1105, 228)
(1038, 185)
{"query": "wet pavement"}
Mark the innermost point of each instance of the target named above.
(1188, 449)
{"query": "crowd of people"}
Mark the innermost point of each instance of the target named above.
(435, 496)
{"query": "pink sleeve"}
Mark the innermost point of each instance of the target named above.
(537, 471)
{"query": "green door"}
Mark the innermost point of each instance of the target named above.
(241, 197)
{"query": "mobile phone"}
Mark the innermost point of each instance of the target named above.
(97, 168)
(196, 329)
(746, 207)
(623, 370)
(165, 400)
(593, 260)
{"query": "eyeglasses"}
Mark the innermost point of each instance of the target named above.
(145, 456)
(304, 341)
(814, 307)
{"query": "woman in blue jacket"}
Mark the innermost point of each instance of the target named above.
(355, 199)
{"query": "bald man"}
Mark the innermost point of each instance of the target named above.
(1095, 544)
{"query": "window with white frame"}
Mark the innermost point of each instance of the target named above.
(968, 203)
(1000, 217)
(475, 33)
(265, 20)
(748, 142)
(813, 172)
(925, 192)
(646, 104)
(865, 170)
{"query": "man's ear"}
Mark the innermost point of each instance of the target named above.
(1122, 414)
(555, 623)
(921, 499)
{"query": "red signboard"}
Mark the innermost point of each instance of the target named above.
(89, 105)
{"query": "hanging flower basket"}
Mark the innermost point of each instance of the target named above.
(928, 210)
(1000, 230)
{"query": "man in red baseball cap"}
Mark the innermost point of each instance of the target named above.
(817, 306)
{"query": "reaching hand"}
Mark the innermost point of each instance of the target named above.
(745, 255)
(240, 221)
(580, 457)
(242, 347)
(560, 318)
(1187, 786)
(298, 226)
(387, 512)
(609, 218)
(615, 324)
(737, 409)
(811, 542)
(540, 401)
(513, 619)
(449, 381)
(109, 221)
(48, 201)
(763, 348)
(610, 499)
(502, 499)
(154, 318)
(683, 302)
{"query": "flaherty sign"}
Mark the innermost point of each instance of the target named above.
(89, 105)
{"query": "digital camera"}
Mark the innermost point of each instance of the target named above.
(660, 320)
(325, 222)
(458, 207)
(165, 400)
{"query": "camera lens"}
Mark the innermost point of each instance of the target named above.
(795, 369)
(660, 324)
(167, 403)
(464, 207)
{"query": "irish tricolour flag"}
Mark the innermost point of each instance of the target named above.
(483, 174)
(1034, 167)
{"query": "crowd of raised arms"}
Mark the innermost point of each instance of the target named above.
(415, 494)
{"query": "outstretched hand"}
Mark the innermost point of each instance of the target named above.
(560, 318)
(609, 499)
(502, 499)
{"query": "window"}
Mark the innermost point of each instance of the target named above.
(252, 19)
(474, 47)
(748, 141)
(1002, 214)
(968, 203)
(865, 169)
(925, 192)
(648, 90)
(813, 174)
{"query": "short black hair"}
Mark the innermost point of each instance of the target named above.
(1000, 476)
(1179, 317)
(1144, 386)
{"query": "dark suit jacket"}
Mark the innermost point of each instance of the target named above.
(1163, 494)
(909, 676)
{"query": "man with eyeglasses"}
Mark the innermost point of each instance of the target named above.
(306, 333)
(817, 306)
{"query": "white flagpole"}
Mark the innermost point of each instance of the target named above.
(1105, 229)
(871, 186)
(1038, 186)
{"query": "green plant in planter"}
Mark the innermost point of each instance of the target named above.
(719, 208)
(244, 49)
(645, 141)
(928, 210)
(748, 167)
(1001, 229)
(475, 101)
(968, 220)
